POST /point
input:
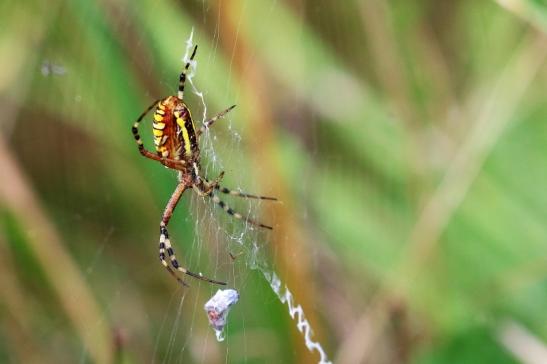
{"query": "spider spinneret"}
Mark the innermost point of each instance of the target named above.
(176, 143)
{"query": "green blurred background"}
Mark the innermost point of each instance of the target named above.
(407, 141)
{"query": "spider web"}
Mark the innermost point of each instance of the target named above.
(224, 248)
(217, 246)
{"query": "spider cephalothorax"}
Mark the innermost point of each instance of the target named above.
(176, 142)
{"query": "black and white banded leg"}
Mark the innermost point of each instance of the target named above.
(165, 243)
(243, 194)
(210, 121)
(135, 131)
(235, 214)
(182, 78)
(162, 249)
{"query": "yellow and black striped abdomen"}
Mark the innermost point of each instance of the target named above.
(174, 130)
(163, 130)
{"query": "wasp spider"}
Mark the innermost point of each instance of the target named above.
(176, 142)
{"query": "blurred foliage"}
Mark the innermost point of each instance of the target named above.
(406, 139)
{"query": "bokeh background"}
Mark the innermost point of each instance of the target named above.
(407, 141)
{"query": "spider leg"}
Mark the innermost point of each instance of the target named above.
(171, 271)
(210, 122)
(237, 215)
(242, 194)
(165, 243)
(209, 186)
(202, 186)
(135, 130)
(182, 78)
(177, 164)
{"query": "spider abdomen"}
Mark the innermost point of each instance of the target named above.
(174, 130)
